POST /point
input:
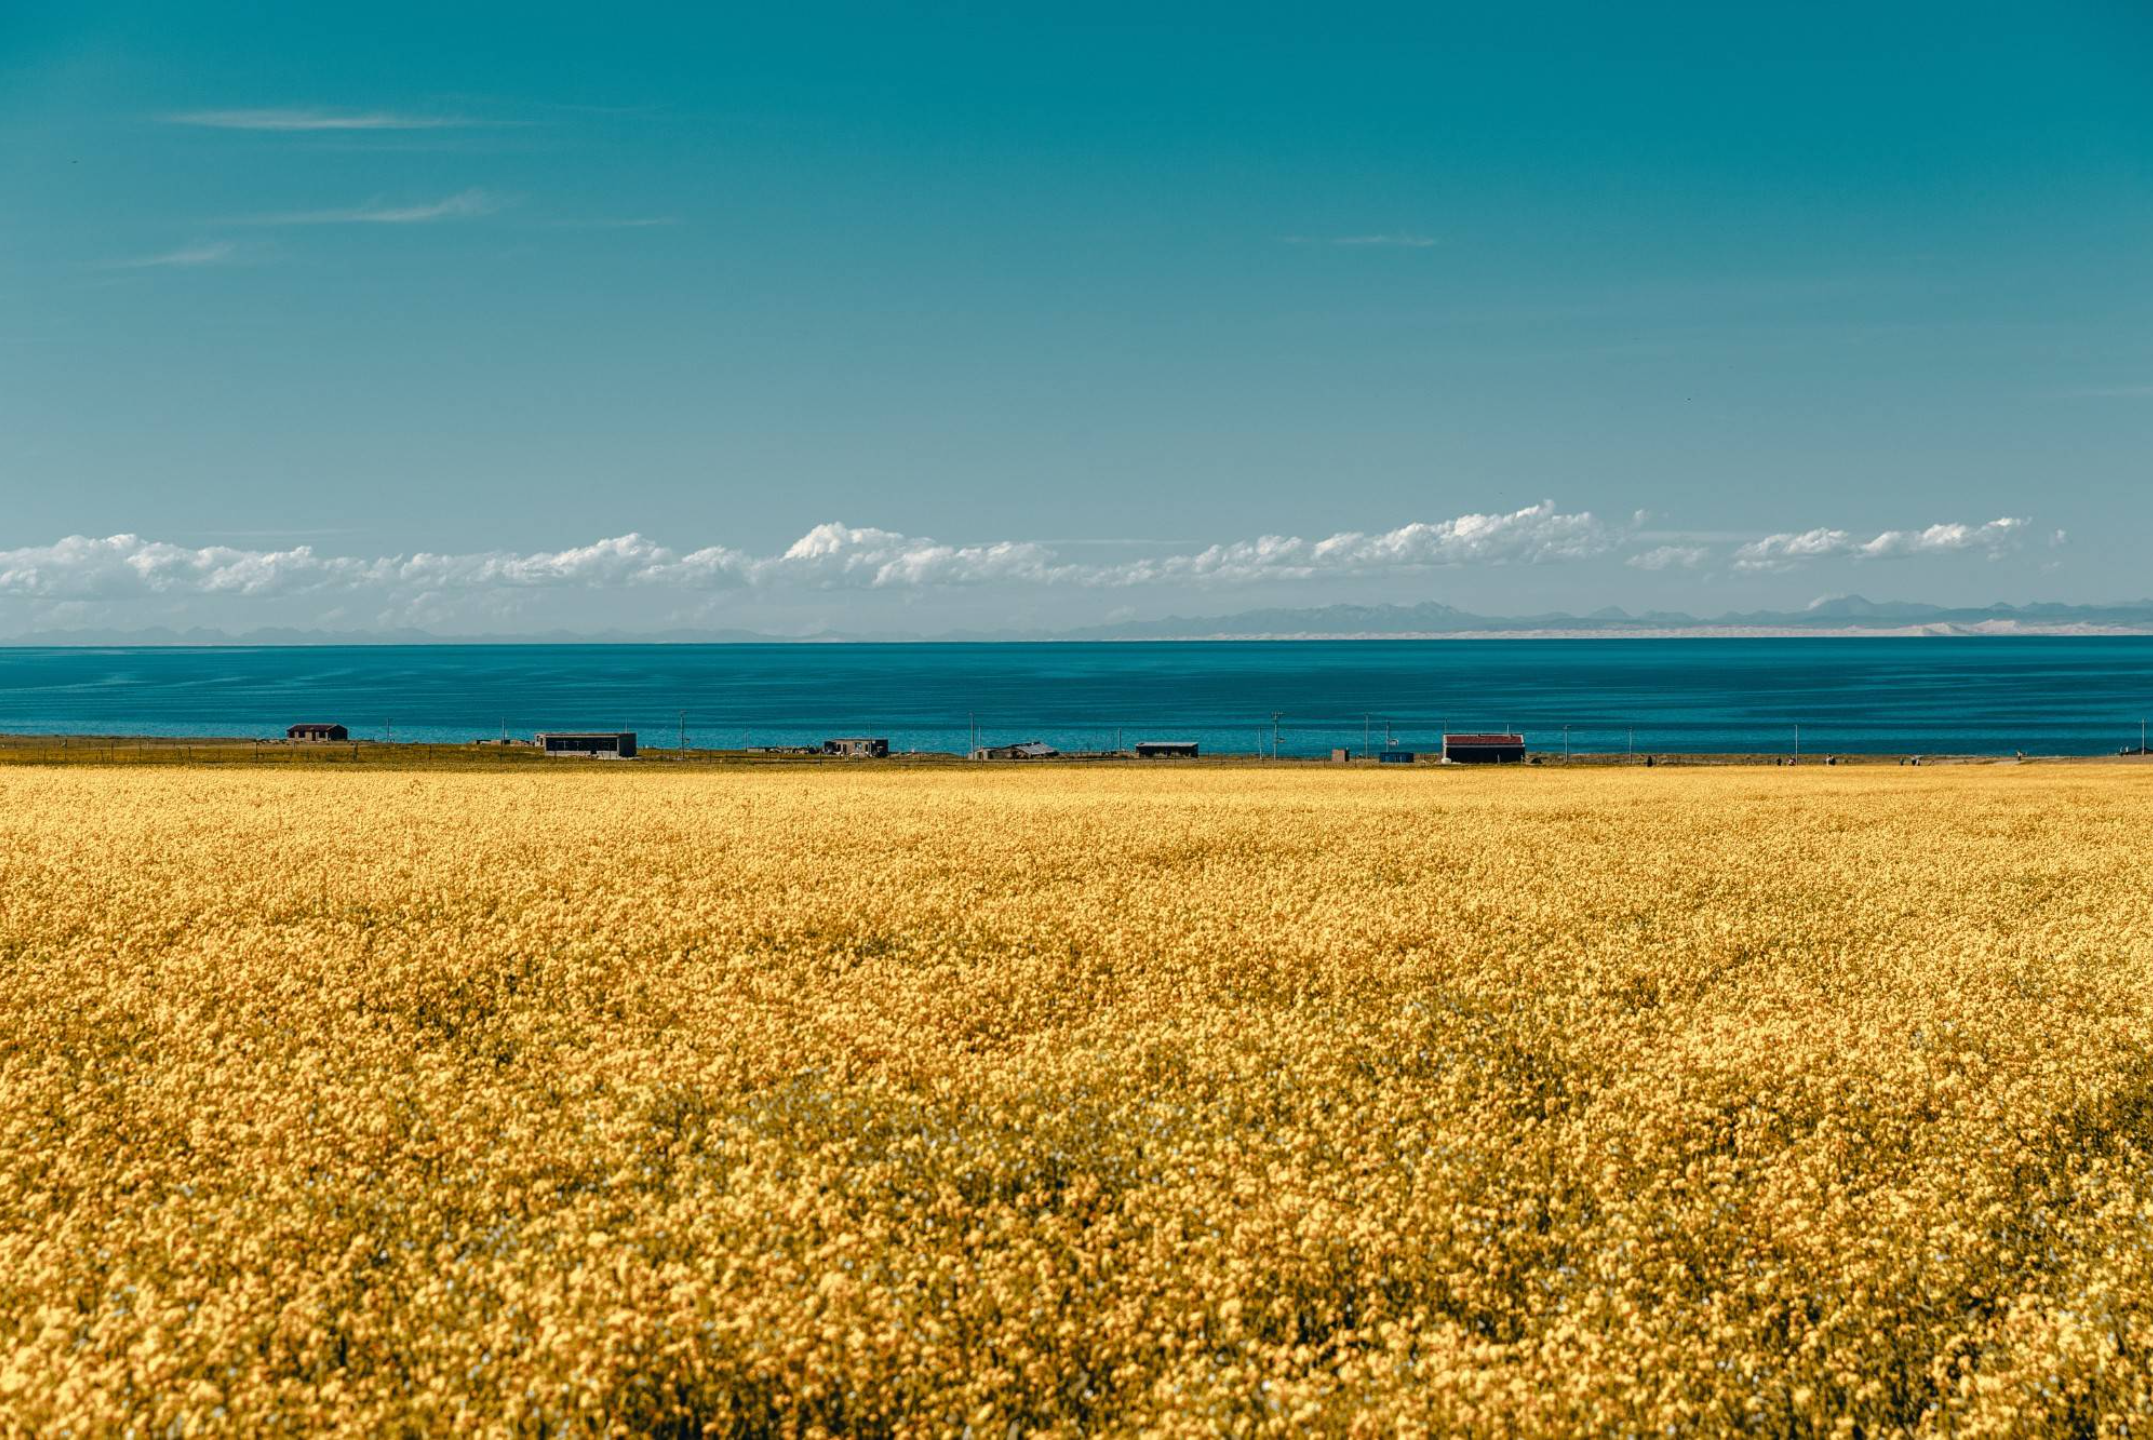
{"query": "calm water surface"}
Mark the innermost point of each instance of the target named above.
(1977, 695)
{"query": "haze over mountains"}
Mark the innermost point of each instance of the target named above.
(1838, 615)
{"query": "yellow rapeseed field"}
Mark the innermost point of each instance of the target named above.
(606, 1099)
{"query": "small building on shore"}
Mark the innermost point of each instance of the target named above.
(1166, 749)
(1397, 757)
(1484, 748)
(316, 732)
(598, 744)
(858, 747)
(1025, 750)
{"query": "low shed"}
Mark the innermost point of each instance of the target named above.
(316, 732)
(1484, 749)
(1027, 750)
(603, 744)
(1166, 749)
(868, 747)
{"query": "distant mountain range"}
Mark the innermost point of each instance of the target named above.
(1843, 615)
(162, 635)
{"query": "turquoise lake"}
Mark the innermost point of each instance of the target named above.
(2041, 695)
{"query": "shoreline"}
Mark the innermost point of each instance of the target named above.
(217, 751)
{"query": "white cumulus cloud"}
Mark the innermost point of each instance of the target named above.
(828, 557)
(633, 580)
(1538, 534)
(127, 566)
(1790, 548)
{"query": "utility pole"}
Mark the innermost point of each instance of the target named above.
(1366, 725)
(1797, 741)
(1387, 741)
(1565, 744)
(683, 730)
(1633, 739)
(1274, 732)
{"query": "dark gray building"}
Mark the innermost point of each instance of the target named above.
(603, 744)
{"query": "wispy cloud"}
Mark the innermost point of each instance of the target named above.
(2114, 392)
(1369, 242)
(1790, 548)
(638, 222)
(464, 205)
(1670, 557)
(309, 118)
(218, 252)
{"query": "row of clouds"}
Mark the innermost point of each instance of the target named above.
(828, 557)
(1793, 548)
(843, 557)
(1780, 552)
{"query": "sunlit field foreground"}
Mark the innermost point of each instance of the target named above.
(608, 1099)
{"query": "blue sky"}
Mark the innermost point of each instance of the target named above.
(486, 317)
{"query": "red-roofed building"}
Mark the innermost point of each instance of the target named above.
(1485, 748)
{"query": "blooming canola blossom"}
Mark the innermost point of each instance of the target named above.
(623, 1099)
